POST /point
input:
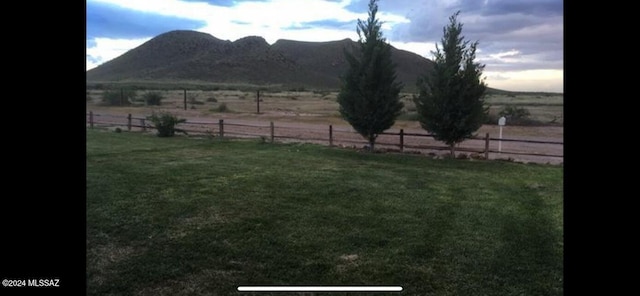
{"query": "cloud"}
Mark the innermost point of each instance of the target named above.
(329, 23)
(541, 8)
(106, 49)
(224, 3)
(93, 60)
(513, 36)
(545, 80)
(112, 21)
(281, 14)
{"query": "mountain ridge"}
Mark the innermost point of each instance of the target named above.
(185, 55)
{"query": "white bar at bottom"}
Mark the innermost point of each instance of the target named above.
(319, 289)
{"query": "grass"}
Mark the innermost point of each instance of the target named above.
(181, 216)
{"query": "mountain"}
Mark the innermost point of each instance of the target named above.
(194, 56)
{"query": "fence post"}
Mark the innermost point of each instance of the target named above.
(401, 140)
(144, 126)
(221, 122)
(272, 131)
(258, 102)
(330, 135)
(185, 99)
(91, 119)
(129, 122)
(486, 146)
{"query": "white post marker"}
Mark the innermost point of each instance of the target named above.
(501, 123)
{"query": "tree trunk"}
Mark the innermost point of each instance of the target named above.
(452, 148)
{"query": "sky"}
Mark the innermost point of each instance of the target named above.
(520, 42)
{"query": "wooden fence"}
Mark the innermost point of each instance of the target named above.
(398, 141)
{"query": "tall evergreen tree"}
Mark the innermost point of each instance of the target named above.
(451, 102)
(369, 97)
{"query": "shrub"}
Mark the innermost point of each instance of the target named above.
(462, 156)
(118, 97)
(222, 108)
(212, 99)
(514, 112)
(153, 98)
(111, 98)
(517, 116)
(193, 100)
(166, 123)
(409, 116)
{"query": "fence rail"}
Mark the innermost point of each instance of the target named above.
(534, 150)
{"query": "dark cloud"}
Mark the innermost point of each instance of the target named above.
(110, 21)
(494, 17)
(541, 8)
(520, 63)
(528, 26)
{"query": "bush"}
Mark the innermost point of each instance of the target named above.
(118, 97)
(193, 100)
(153, 98)
(166, 123)
(409, 116)
(514, 112)
(212, 99)
(111, 98)
(518, 116)
(222, 108)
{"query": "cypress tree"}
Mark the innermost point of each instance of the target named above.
(451, 100)
(369, 97)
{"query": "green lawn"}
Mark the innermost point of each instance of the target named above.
(180, 216)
